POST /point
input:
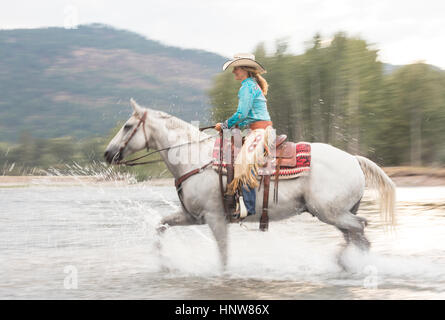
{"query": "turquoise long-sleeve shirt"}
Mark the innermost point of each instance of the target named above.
(251, 105)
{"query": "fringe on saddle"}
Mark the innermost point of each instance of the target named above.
(252, 155)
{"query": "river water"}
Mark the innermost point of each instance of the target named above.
(98, 242)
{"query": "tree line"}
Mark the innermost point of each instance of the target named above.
(69, 156)
(338, 92)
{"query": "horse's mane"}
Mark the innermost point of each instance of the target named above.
(172, 122)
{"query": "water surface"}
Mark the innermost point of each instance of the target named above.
(105, 235)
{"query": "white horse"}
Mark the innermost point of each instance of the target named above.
(331, 192)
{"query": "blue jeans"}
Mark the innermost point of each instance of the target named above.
(249, 197)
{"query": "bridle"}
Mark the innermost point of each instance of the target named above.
(181, 179)
(178, 181)
(141, 121)
(132, 162)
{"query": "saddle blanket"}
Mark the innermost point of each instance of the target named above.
(302, 167)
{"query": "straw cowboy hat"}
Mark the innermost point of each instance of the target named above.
(244, 59)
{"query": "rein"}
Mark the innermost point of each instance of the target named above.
(181, 179)
(132, 162)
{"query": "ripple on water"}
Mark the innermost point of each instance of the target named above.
(107, 234)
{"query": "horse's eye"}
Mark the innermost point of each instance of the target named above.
(128, 127)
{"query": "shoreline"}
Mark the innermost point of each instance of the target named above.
(405, 176)
(402, 177)
(27, 181)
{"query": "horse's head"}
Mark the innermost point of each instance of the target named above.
(132, 137)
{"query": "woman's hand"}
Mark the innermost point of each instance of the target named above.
(218, 127)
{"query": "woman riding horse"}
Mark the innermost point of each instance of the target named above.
(251, 113)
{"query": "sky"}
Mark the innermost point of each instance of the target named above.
(404, 31)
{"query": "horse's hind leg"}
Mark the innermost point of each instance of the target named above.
(343, 248)
(353, 229)
(355, 207)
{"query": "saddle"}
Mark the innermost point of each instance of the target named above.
(284, 153)
(287, 160)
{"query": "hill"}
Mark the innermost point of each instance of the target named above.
(77, 82)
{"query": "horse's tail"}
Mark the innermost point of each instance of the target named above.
(376, 178)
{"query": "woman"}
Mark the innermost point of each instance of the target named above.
(251, 113)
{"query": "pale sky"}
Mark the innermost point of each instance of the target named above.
(405, 31)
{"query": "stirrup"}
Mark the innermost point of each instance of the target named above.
(235, 217)
(241, 208)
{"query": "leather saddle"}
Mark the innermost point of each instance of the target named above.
(283, 154)
(280, 139)
(285, 151)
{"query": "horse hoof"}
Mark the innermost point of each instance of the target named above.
(161, 229)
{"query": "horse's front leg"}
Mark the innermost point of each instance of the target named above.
(218, 224)
(177, 219)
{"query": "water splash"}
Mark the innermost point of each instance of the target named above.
(107, 230)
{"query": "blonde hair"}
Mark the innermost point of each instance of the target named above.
(254, 73)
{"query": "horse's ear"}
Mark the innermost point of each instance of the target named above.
(137, 108)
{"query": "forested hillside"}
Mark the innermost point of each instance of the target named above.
(77, 82)
(343, 95)
(63, 91)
